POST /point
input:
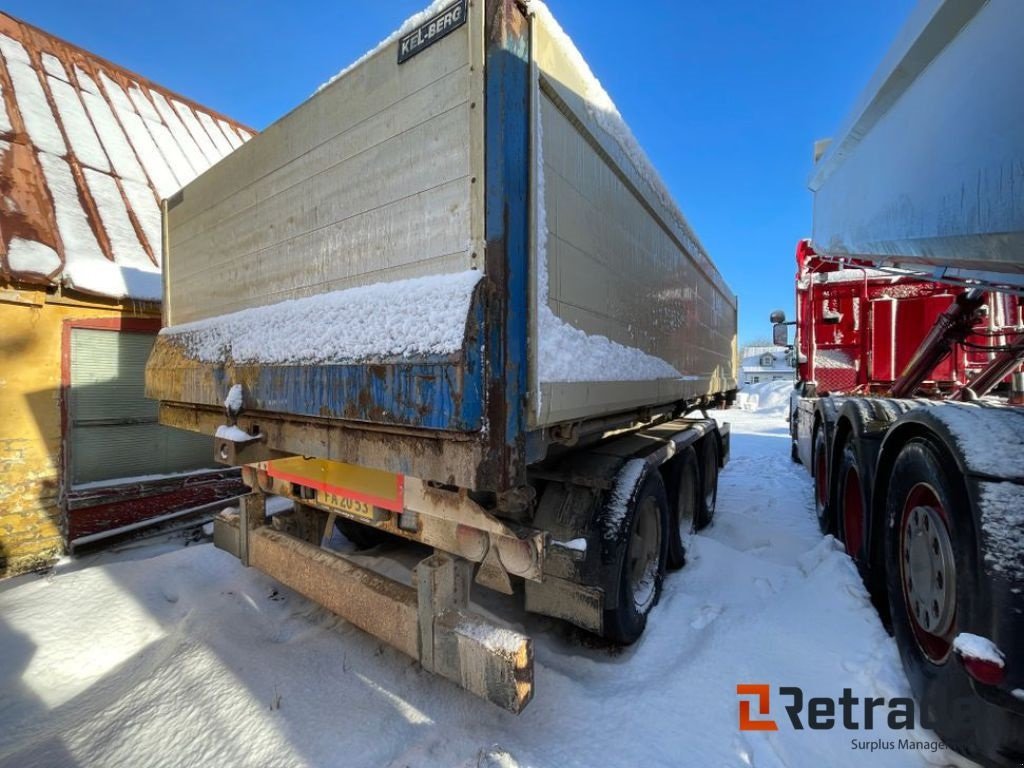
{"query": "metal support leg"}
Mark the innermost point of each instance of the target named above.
(252, 514)
(442, 583)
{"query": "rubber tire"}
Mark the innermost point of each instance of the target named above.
(794, 453)
(941, 690)
(823, 511)
(708, 479)
(624, 623)
(362, 536)
(685, 476)
(850, 459)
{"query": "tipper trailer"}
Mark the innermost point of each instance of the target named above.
(447, 299)
(908, 410)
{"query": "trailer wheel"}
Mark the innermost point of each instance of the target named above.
(852, 506)
(642, 562)
(822, 508)
(683, 515)
(708, 482)
(932, 581)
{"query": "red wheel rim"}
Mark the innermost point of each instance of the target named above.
(853, 513)
(923, 499)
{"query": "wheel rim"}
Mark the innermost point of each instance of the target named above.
(928, 571)
(853, 513)
(644, 554)
(687, 505)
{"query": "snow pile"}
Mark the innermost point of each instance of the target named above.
(407, 26)
(765, 396)
(991, 439)
(405, 318)
(31, 256)
(978, 647)
(233, 433)
(233, 402)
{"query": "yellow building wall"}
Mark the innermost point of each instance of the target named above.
(31, 324)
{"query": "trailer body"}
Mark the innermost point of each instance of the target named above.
(448, 300)
(910, 341)
(465, 157)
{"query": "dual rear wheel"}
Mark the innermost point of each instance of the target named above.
(657, 532)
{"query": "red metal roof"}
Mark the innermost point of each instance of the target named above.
(87, 151)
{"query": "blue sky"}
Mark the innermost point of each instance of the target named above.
(727, 98)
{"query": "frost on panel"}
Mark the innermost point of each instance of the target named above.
(152, 160)
(84, 141)
(143, 204)
(223, 147)
(124, 242)
(87, 268)
(120, 152)
(181, 134)
(32, 104)
(406, 318)
(54, 68)
(31, 256)
(230, 134)
(199, 135)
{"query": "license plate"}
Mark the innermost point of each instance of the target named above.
(349, 506)
(351, 489)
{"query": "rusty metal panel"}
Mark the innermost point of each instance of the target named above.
(86, 150)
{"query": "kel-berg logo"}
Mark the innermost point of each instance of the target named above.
(823, 714)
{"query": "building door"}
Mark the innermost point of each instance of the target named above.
(113, 429)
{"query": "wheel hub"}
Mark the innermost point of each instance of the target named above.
(929, 570)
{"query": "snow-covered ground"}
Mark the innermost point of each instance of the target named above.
(168, 652)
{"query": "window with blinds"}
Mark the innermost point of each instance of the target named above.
(114, 432)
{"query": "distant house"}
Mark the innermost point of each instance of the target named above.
(760, 364)
(87, 152)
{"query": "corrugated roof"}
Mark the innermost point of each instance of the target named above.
(87, 151)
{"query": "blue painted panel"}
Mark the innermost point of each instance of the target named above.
(507, 229)
(443, 393)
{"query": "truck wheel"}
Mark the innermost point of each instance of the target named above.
(683, 517)
(642, 558)
(852, 508)
(932, 582)
(794, 452)
(708, 482)
(822, 509)
(362, 536)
